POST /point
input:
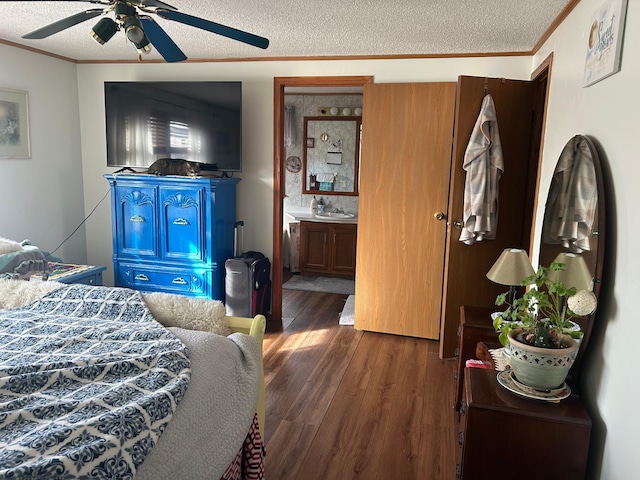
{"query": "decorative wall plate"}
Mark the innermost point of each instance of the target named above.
(294, 165)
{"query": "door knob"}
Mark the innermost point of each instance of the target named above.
(439, 216)
(458, 223)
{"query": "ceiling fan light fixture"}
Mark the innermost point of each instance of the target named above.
(104, 30)
(143, 46)
(133, 30)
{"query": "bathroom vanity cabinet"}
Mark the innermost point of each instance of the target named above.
(328, 248)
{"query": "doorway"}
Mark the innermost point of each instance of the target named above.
(280, 84)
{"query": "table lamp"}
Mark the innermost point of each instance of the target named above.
(576, 274)
(511, 268)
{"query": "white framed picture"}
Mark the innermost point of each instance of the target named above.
(14, 124)
(604, 41)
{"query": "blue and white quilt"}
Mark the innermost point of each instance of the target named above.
(88, 382)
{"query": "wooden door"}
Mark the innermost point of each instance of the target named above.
(465, 281)
(404, 180)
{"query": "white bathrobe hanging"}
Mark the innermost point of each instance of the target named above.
(572, 205)
(484, 165)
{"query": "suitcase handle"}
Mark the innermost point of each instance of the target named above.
(237, 248)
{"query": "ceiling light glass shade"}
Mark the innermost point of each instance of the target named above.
(577, 273)
(511, 268)
(133, 30)
(143, 46)
(104, 30)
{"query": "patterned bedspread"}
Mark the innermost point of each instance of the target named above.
(88, 382)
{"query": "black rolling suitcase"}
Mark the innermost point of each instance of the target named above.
(247, 282)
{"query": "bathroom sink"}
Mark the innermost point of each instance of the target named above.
(336, 215)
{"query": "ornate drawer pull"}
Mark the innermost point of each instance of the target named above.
(142, 277)
(136, 218)
(179, 281)
(181, 221)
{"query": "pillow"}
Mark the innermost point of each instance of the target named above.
(187, 312)
(9, 246)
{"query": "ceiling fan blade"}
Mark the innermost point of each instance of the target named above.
(218, 28)
(60, 25)
(161, 41)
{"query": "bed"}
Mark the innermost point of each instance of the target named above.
(116, 383)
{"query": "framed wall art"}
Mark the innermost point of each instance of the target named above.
(14, 124)
(604, 41)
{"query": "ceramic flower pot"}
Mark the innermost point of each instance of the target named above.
(541, 368)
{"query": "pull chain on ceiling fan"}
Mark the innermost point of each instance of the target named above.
(141, 30)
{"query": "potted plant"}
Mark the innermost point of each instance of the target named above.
(537, 328)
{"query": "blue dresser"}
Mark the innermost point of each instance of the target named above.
(172, 234)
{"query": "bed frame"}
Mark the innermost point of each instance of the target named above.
(255, 327)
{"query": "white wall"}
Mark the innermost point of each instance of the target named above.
(41, 198)
(608, 112)
(255, 191)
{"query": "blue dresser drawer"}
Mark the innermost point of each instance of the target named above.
(191, 281)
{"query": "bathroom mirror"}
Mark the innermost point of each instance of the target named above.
(332, 155)
(574, 217)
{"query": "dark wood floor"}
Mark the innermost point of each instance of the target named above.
(346, 404)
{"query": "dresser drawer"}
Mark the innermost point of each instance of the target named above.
(175, 280)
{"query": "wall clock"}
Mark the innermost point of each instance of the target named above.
(294, 164)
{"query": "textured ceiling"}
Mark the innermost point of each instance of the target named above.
(298, 28)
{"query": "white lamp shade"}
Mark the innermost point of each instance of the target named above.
(577, 273)
(511, 268)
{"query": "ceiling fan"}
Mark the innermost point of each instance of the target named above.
(142, 30)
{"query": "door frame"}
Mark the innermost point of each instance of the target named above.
(541, 77)
(279, 152)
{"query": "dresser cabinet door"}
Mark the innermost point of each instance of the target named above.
(137, 221)
(182, 223)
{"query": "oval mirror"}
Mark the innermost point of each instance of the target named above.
(574, 221)
(332, 155)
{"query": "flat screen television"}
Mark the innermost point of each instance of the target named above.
(196, 121)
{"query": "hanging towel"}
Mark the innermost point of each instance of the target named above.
(571, 208)
(484, 165)
(289, 125)
(325, 177)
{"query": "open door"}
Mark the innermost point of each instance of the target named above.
(404, 185)
(465, 281)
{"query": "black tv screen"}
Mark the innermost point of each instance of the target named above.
(196, 121)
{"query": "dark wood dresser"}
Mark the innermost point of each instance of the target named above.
(505, 436)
